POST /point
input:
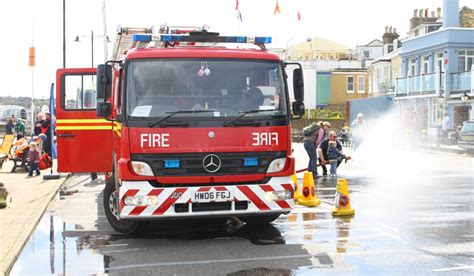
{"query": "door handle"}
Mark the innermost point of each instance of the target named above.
(66, 135)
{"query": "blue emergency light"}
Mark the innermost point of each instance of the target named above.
(250, 162)
(172, 164)
(141, 37)
(201, 38)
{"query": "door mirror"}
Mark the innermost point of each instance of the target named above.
(298, 109)
(298, 84)
(104, 80)
(104, 109)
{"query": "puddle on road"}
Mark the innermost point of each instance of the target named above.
(48, 252)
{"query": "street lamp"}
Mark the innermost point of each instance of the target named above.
(78, 39)
(465, 99)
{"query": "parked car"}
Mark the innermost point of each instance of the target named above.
(467, 136)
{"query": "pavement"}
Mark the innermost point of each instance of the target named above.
(29, 198)
(27, 201)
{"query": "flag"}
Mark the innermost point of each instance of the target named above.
(277, 8)
(53, 122)
(299, 16)
(239, 16)
(31, 58)
(236, 4)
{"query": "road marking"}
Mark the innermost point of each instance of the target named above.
(120, 251)
(114, 245)
(388, 227)
(453, 268)
(393, 236)
(207, 262)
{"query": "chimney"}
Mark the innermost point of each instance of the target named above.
(433, 14)
(426, 12)
(450, 13)
(415, 12)
(420, 13)
(438, 12)
(390, 35)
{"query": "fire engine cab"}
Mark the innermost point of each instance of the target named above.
(189, 123)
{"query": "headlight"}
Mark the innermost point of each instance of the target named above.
(142, 168)
(141, 200)
(279, 195)
(277, 165)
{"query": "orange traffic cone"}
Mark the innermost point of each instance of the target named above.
(309, 197)
(342, 204)
(297, 194)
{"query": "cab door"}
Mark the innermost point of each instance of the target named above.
(84, 141)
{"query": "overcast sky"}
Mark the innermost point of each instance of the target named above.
(348, 22)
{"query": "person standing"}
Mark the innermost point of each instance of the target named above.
(359, 130)
(20, 129)
(45, 129)
(9, 126)
(445, 126)
(38, 124)
(33, 159)
(322, 133)
(324, 146)
(309, 143)
(334, 155)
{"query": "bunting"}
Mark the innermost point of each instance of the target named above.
(277, 8)
(299, 16)
(237, 10)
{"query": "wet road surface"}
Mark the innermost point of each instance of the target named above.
(412, 219)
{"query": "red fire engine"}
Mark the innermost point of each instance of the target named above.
(187, 127)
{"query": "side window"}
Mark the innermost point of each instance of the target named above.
(79, 92)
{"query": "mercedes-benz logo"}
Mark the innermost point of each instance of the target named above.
(211, 163)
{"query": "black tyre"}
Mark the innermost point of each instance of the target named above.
(111, 207)
(260, 220)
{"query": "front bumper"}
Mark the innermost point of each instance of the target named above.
(181, 202)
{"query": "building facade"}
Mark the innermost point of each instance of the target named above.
(437, 68)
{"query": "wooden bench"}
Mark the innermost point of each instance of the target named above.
(5, 148)
(22, 161)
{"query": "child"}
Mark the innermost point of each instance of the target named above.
(333, 155)
(34, 159)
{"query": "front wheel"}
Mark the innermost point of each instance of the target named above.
(260, 220)
(111, 207)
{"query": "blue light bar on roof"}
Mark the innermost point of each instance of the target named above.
(201, 38)
(263, 39)
(141, 37)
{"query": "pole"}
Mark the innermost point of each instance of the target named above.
(33, 82)
(64, 33)
(105, 38)
(92, 49)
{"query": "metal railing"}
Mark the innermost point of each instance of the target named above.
(461, 81)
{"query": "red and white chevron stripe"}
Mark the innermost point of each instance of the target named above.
(167, 197)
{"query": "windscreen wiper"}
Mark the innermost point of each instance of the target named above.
(171, 114)
(244, 113)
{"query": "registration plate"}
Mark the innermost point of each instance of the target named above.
(212, 196)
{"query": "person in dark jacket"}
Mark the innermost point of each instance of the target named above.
(309, 143)
(34, 159)
(323, 149)
(45, 128)
(38, 124)
(334, 155)
(9, 126)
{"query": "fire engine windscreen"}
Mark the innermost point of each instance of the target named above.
(154, 88)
